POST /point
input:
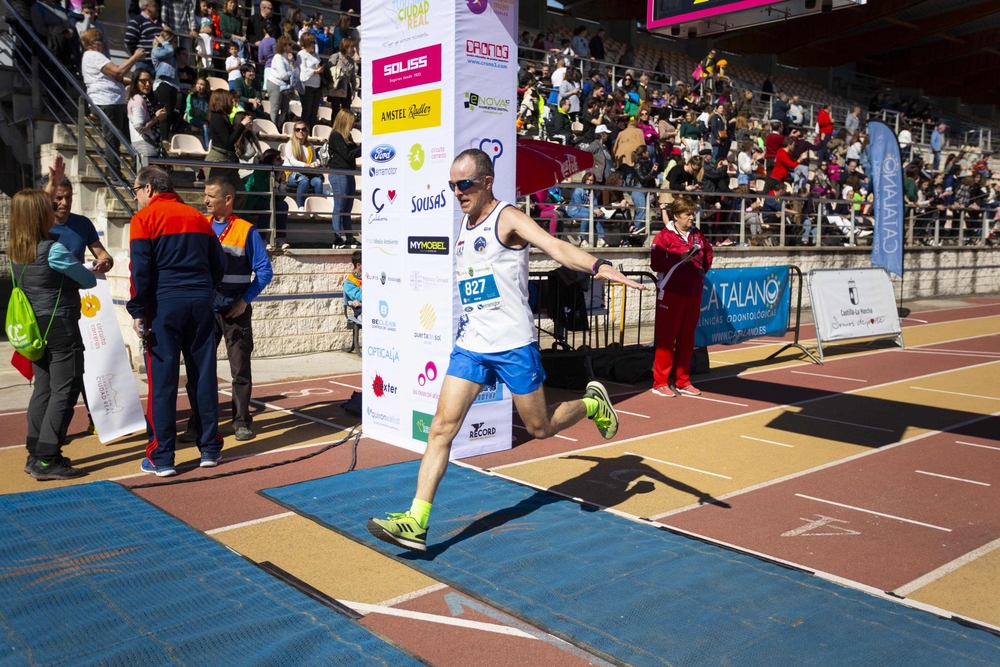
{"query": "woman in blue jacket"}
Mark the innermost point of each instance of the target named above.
(50, 277)
(579, 209)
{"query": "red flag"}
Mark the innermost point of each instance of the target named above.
(23, 365)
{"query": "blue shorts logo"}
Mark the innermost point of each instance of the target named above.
(480, 244)
(383, 153)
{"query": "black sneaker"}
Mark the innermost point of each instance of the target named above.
(53, 471)
(244, 433)
(187, 436)
(32, 460)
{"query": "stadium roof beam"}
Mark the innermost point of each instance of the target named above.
(811, 29)
(855, 47)
(918, 58)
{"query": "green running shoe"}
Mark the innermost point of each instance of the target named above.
(606, 418)
(401, 530)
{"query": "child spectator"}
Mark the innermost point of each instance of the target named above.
(203, 45)
(251, 91)
(352, 284)
(233, 65)
(196, 109)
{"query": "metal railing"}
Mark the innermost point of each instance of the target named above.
(43, 71)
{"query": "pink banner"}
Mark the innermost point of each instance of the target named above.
(405, 70)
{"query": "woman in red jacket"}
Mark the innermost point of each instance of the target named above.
(783, 166)
(825, 121)
(680, 255)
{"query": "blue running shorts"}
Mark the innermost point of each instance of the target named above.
(520, 369)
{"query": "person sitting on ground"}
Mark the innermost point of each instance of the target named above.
(352, 284)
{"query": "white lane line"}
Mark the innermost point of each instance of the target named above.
(832, 377)
(252, 522)
(971, 355)
(678, 465)
(301, 380)
(957, 479)
(363, 608)
(837, 421)
(12, 447)
(913, 319)
(761, 411)
(121, 477)
(561, 437)
(634, 414)
(882, 514)
(406, 597)
(828, 464)
(301, 415)
(349, 386)
(957, 393)
(947, 568)
(770, 442)
(11, 414)
(716, 400)
(973, 444)
(986, 352)
(726, 363)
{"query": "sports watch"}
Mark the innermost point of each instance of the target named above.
(598, 264)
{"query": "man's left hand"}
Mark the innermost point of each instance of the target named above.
(103, 265)
(238, 308)
(614, 275)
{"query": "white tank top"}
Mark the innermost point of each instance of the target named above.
(492, 280)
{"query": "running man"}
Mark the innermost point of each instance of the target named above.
(496, 339)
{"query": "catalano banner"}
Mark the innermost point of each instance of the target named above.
(887, 188)
(438, 77)
(739, 304)
(107, 378)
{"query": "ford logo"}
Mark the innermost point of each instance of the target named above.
(383, 153)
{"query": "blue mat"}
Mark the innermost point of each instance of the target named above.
(93, 575)
(631, 593)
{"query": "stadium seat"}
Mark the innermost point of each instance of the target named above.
(186, 145)
(266, 128)
(325, 113)
(295, 107)
(321, 132)
(318, 205)
(216, 83)
(288, 128)
(266, 105)
(356, 135)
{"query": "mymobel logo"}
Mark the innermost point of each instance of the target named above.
(408, 69)
(488, 104)
(414, 111)
(429, 203)
(481, 431)
(380, 387)
(427, 245)
(421, 425)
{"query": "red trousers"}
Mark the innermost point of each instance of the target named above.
(676, 320)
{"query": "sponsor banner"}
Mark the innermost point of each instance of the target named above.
(853, 303)
(406, 70)
(430, 89)
(107, 377)
(887, 188)
(740, 304)
(413, 111)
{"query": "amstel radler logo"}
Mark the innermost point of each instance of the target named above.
(414, 111)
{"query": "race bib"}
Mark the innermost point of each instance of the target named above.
(477, 287)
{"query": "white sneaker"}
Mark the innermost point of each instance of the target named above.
(601, 243)
(584, 244)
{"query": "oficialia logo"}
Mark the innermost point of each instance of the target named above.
(414, 111)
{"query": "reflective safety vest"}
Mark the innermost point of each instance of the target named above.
(239, 273)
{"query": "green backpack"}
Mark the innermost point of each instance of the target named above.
(22, 327)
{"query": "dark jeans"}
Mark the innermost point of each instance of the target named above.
(58, 382)
(343, 190)
(118, 115)
(310, 100)
(166, 95)
(238, 334)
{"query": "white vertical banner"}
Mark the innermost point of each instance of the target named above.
(112, 396)
(438, 77)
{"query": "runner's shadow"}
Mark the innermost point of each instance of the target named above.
(617, 480)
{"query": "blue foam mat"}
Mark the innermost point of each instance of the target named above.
(93, 575)
(629, 592)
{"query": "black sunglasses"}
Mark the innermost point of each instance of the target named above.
(462, 185)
